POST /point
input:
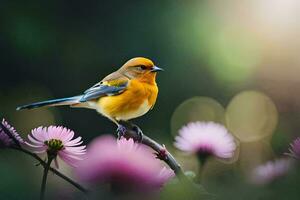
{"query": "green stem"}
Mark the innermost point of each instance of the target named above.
(77, 185)
(45, 175)
(199, 175)
(202, 162)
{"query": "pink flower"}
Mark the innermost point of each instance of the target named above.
(8, 135)
(122, 163)
(270, 171)
(206, 139)
(57, 140)
(295, 149)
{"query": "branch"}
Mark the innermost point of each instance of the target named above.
(43, 163)
(161, 151)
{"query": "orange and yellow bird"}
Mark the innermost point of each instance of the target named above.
(127, 93)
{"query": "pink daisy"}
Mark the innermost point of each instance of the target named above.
(270, 171)
(123, 163)
(8, 135)
(295, 149)
(57, 141)
(206, 139)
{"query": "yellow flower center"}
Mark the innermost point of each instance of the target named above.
(54, 145)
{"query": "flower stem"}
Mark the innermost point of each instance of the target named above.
(45, 175)
(199, 176)
(202, 158)
(43, 163)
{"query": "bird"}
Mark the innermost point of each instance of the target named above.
(125, 94)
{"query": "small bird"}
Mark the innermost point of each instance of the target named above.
(125, 94)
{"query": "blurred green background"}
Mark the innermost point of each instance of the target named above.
(215, 49)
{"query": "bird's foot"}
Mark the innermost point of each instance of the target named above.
(129, 130)
(121, 130)
(139, 133)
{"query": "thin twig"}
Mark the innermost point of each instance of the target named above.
(55, 171)
(161, 151)
(167, 156)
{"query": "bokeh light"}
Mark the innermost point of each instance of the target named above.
(251, 115)
(196, 109)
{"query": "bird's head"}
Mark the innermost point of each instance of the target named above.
(140, 68)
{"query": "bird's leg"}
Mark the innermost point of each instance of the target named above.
(121, 130)
(138, 131)
(126, 128)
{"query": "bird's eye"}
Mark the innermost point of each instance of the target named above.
(142, 67)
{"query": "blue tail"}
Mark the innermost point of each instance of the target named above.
(53, 102)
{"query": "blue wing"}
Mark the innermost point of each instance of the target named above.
(103, 89)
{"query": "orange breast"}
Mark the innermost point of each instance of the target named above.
(135, 101)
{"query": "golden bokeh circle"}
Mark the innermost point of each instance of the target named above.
(251, 116)
(196, 109)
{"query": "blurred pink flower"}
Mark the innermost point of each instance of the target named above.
(295, 149)
(206, 139)
(122, 163)
(57, 140)
(9, 136)
(270, 171)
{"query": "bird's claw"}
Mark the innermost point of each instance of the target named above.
(139, 132)
(123, 127)
(121, 130)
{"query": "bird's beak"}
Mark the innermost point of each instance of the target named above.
(156, 69)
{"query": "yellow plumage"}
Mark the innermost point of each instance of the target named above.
(135, 101)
